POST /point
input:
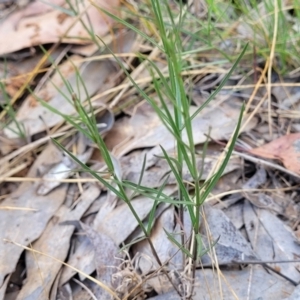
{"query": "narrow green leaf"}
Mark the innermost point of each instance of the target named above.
(127, 246)
(89, 170)
(200, 251)
(133, 28)
(153, 209)
(180, 183)
(222, 83)
(173, 240)
(219, 173)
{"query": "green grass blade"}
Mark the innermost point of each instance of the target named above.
(174, 241)
(222, 83)
(133, 28)
(89, 170)
(216, 177)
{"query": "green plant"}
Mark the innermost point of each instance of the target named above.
(176, 116)
(174, 111)
(20, 130)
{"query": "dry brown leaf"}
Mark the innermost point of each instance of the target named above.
(261, 200)
(163, 246)
(26, 226)
(257, 180)
(54, 241)
(39, 23)
(16, 72)
(62, 170)
(83, 254)
(231, 244)
(271, 239)
(285, 148)
(106, 254)
(235, 214)
(98, 76)
(117, 223)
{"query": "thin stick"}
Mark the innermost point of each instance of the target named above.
(266, 163)
(35, 179)
(17, 208)
(85, 288)
(29, 147)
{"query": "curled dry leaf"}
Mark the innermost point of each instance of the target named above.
(285, 148)
(39, 23)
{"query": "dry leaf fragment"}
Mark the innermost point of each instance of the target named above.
(116, 223)
(23, 226)
(62, 170)
(106, 254)
(36, 25)
(164, 247)
(285, 148)
(55, 241)
(271, 239)
(231, 244)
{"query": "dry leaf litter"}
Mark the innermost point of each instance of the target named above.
(62, 230)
